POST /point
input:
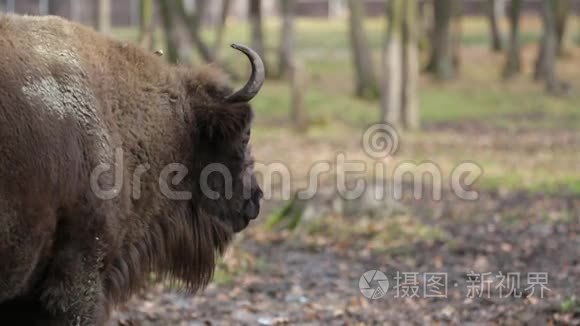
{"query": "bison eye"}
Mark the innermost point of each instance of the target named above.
(173, 98)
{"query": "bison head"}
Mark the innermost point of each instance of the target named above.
(226, 189)
(213, 138)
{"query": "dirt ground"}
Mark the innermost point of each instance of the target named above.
(312, 277)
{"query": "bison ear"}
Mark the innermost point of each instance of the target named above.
(224, 122)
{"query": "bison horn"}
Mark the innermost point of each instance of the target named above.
(253, 86)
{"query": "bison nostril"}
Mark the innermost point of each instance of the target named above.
(258, 194)
(251, 210)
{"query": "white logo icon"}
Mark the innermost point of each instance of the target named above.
(373, 284)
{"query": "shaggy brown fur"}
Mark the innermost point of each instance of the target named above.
(69, 99)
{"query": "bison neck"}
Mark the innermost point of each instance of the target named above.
(162, 237)
(164, 240)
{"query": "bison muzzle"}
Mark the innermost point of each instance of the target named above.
(74, 102)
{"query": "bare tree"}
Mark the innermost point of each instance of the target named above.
(441, 63)
(75, 10)
(178, 43)
(167, 13)
(147, 25)
(221, 28)
(456, 32)
(43, 7)
(183, 33)
(10, 6)
(495, 13)
(104, 16)
(426, 27)
(298, 114)
(287, 37)
(546, 61)
(54, 7)
(193, 23)
(401, 65)
(513, 64)
(366, 82)
(563, 8)
(411, 66)
(289, 66)
(392, 83)
(255, 15)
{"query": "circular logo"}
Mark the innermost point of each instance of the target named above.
(373, 284)
(380, 141)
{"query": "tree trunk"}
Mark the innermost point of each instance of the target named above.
(43, 7)
(514, 56)
(221, 28)
(392, 93)
(75, 10)
(11, 6)
(441, 62)
(495, 14)
(563, 8)
(54, 7)
(401, 65)
(169, 30)
(425, 26)
(298, 114)
(201, 8)
(287, 37)
(366, 83)
(411, 69)
(147, 27)
(257, 31)
(577, 37)
(193, 22)
(546, 62)
(255, 15)
(166, 11)
(456, 33)
(104, 18)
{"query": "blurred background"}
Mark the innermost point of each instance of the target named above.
(491, 82)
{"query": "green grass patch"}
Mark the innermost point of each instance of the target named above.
(542, 182)
(570, 305)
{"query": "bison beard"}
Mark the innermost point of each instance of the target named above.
(69, 97)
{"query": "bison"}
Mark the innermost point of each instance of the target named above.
(73, 104)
